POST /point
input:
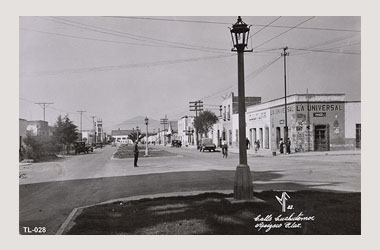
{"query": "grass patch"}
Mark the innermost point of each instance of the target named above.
(126, 151)
(211, 213)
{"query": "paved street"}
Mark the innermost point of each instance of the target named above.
(51, 190)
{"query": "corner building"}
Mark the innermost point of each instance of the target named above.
(316, 122)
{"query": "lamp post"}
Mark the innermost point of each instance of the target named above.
(146, 144)
(243, 188)
(286, 108)
(137, 137)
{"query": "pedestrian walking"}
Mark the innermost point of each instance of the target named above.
(281, 145)
(258, 144)
(255, 145)
(248, 143)
(136, 153)
(224, 149)
(287, 144)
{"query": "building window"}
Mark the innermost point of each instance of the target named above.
(237, 137)
(229, 112)
(230, 137)
(224, 113)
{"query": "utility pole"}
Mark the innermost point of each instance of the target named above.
(308, 121)
(81, 112)
(43, 106)
(284, 54)
(93, 122)
(164, 121)
(196, 106)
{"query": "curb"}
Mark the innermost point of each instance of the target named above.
(68, 223)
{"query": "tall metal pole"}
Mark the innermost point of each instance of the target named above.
(81, 112)
(243, 187)
(93, 123)
(146, 144)
(286, 108)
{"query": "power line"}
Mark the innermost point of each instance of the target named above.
(282, 33)
(118, 67)
(262, 68)
(50, 107)
(225, 23)
(326, 43)
(93, 39)
(264, 27)
(133, 36)
(251, 75)
(327, 51)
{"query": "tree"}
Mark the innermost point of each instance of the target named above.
(33, 147)
(133, 135)
(65, 131)
(204, 122)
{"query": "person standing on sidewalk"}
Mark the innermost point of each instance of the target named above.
(281, 145)
(287, 144)
(224, 149)
(136, 153)
(248, 143)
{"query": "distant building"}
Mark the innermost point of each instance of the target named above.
(172, 133)
(228, 126)
(186, 130)
(22, 130)
(39, 128)
(121, 136)
(88, 136)
(353, 130)
(100, 137)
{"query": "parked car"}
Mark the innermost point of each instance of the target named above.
(81, 146)
(207, 144)
(176, 143)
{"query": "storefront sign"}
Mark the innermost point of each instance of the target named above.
(257, 116)
(276, 111)
(319, 107)
(321, 114)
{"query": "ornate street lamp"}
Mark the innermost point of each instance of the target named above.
(146, 144)
(243, 187)
(137, 130)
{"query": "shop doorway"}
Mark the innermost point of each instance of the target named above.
(266, 137)
(321, 141)
(278, 137)
(358, 135)
(261, 137)
(218, 138)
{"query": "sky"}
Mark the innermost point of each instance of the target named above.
(119, 67)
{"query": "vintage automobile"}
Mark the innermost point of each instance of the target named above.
(81, 146)
(207, 144)
(176, 143)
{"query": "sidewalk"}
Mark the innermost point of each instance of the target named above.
(265, 152)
